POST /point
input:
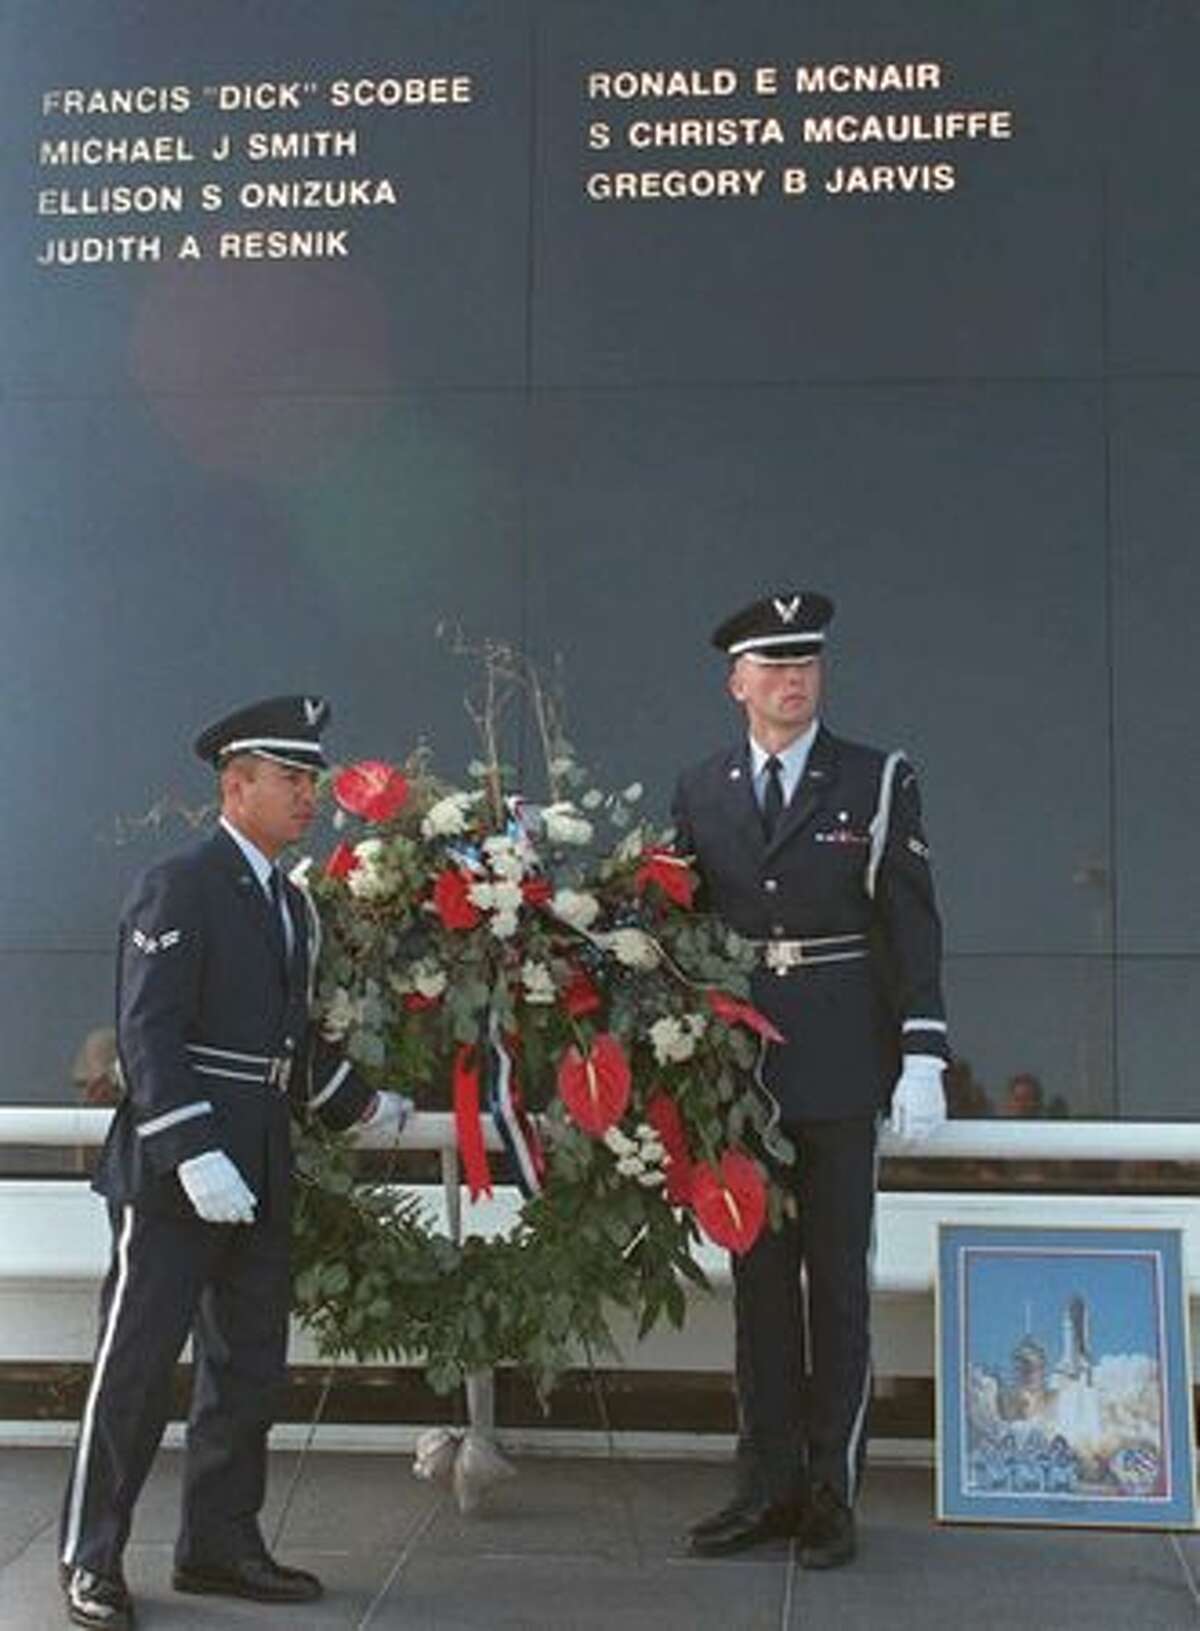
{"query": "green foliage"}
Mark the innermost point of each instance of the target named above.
(373, 1280)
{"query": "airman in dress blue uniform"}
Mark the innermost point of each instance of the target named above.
(213, 994)
(812, 847)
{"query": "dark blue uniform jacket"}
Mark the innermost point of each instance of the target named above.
(848, 858)
(206, 999)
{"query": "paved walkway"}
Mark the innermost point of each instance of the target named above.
(574, 1545)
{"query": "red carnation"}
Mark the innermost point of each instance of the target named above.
(580, 996)
(415, 1001)
(670, 872)
(595, 1085)
(537, 891)
(452, 902)
(371, 789)
(730, 1200)
(341, 862)
(663, 1115)
(735, 1012)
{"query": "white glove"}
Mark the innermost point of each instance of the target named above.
(217, 1189)
(388, 1113)
(918, 1102)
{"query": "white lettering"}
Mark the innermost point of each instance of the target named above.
(606, 186)
(439, 91)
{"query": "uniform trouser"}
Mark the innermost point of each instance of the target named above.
(228, 1286)
(801, 1301)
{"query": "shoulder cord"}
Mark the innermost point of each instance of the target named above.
(881, 820)
(314, 936)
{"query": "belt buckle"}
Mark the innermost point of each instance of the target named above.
(782, 956)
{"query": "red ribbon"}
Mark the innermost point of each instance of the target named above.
(467, 1124)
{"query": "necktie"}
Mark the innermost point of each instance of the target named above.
(280, 920)
(772, 804)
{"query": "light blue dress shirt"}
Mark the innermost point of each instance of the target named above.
(262, 870)
(792, 761)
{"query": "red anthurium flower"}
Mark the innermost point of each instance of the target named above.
(595, 1085)
(663, 1115)
(371, 789)
(580, 996)
(537, 891)
(450, 898)
(730, 1200)
(670, 872)
(735, 1012)
(341, 862)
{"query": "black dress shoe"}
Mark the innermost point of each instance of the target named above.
(828, 1539)
(746, 1524)
(98, 1600)
(723, 1517)
(260, 1579)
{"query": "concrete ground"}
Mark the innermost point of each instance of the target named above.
(586, 1545)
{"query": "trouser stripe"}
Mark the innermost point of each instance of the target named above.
(84, 1448)
(856, 1431)
(852, 1443)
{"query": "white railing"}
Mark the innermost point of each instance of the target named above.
(54, 1242)
(76, 1126)
(1000, 1140)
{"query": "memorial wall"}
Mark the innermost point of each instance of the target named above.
(578, 323)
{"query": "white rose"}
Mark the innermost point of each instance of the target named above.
(564, 825)
(672, 1041)
(340, 1014)
(428, 980)
(371, 878)
(650, 1146)
(633, 792)
(618, 1142)
(506, 896)
(651, 1180)
(576, 907)
(629, 1166)
(503, 924)
(664, 1036)
(507, 857)
(631, 947)
(537, 981)
(482, 894)
(448, 817)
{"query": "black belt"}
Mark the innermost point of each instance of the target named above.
(785, 956)
(267, 1070)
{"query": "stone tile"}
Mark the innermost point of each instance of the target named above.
(525, 1593)
(992, 1577)
(573, 1545)
(31, 1492)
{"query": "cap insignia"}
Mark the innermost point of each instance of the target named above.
(788, 610)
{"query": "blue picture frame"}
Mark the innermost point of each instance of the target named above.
(1064, 1383)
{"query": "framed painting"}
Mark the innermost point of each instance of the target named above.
(1064, 1390)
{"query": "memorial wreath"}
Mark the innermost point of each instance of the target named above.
(500, 957)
